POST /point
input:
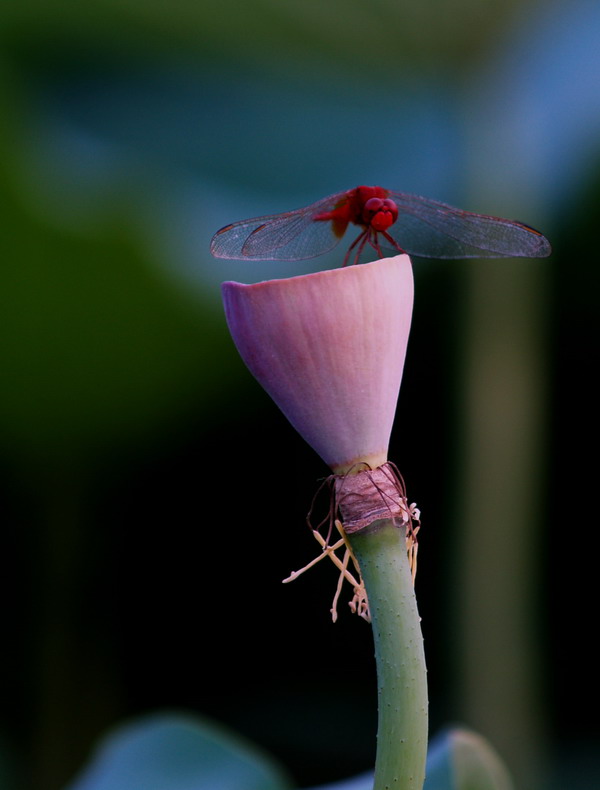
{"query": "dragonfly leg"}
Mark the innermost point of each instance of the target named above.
(360, 238)
(392, 241)
(361, 246)
(374, 241)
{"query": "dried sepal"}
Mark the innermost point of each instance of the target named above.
(364, 499)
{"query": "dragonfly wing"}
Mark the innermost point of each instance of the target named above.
(429, 229)
(294, 235)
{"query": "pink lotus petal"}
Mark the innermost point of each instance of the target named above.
(329, 349)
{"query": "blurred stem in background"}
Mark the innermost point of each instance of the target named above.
(498, 692)
(74, 688)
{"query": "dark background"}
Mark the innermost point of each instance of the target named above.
(153, 497)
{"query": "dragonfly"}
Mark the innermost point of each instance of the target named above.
(397, 221)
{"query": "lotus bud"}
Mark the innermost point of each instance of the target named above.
(329, 348)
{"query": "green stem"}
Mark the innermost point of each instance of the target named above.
(401, 674)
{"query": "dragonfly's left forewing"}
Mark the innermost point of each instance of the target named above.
(431, 229)
(294, 235)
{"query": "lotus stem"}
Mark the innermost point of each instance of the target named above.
(400, 659)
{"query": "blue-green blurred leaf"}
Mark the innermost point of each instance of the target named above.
(462, 760)
(361, 782)
(439, 763)
(457, 760)
(178, 752)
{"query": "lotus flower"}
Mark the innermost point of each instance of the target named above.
(329, 348)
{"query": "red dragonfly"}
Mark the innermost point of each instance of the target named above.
(393, 220)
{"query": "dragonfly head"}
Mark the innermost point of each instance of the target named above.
(379, 213)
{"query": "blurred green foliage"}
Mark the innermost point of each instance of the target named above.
(95, 347)
(379, 37)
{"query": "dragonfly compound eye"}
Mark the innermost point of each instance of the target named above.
(380, 213)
